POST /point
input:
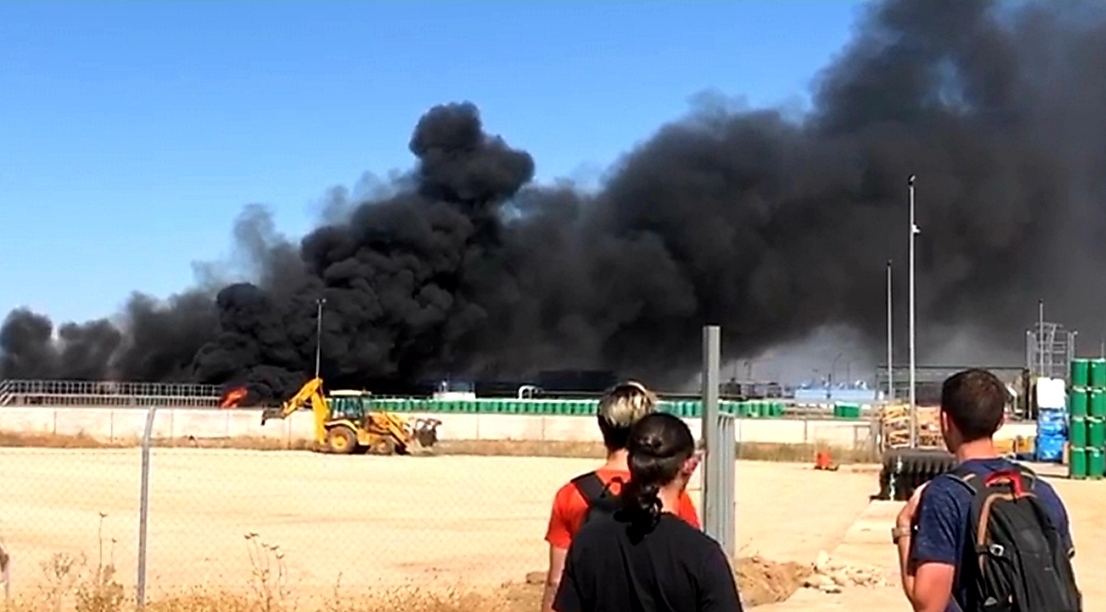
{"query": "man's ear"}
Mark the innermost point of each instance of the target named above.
(692, 463)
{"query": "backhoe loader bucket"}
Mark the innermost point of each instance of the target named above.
(270, 413)
(425, 431)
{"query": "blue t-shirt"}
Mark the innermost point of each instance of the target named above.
(942, 533)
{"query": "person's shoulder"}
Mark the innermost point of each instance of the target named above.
(598, 532)
(568, 498)
(674, 526)
(1047, 493)
(947, 487)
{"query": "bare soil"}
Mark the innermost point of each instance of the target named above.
(315, 520)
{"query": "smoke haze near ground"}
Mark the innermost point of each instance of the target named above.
(771, 227)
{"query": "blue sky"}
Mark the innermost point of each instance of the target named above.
(132, 134)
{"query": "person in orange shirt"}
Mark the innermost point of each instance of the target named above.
(619, 409)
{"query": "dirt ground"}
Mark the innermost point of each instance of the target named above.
(865, 544)
(462, 521)
(362, 520)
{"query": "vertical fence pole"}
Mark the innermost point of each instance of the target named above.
(144, 507)
(712, 510)
(728, 489)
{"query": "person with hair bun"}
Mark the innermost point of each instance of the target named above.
(643, 557)
(596, 492)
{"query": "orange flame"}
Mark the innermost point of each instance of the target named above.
(232, 398)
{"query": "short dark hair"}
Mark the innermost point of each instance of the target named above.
(975, 401)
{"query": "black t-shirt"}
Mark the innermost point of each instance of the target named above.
(673, 568)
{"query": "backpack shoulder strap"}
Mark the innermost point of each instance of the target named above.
(1025, 478)
(591, 487)
(968, 479)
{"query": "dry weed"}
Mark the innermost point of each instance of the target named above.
(73, 585)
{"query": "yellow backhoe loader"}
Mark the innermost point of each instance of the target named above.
(346, 423)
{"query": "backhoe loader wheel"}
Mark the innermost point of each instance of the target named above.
(341, 440)
(382, 446)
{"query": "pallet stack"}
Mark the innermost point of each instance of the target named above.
(1087, 419)
(895, 427)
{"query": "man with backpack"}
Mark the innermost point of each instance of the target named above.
(990, 535)
(596, 492)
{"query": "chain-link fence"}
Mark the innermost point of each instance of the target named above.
(298, 523)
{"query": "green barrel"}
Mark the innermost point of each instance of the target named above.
(1097, 373)
(1080, 372)
(1077, 432)
(779, 409)
(1077, 401)
(1077, 464)
(847, 411)
(1096, 433)
(1096, 466)
(1097, 403)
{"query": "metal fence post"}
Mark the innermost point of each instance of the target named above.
(719, 440)
(144, 507)
(727, 493)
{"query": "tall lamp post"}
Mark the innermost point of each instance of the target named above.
(913, 355)
(890, 376)
(318, 333)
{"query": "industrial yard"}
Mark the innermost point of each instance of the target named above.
(431, 521)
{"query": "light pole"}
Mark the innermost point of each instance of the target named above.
(913, 355)
(833, 367)
(890, 355)
(318, 333)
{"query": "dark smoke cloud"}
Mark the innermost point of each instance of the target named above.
(769, 226)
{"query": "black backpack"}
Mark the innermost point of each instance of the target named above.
(1023, 565)
(598, 495)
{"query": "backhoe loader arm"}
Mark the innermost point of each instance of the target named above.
(311, 391)
(307, 392)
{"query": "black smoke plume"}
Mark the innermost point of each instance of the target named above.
(770, 227)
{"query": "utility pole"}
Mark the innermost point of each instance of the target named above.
(913, 352)
(318, 333)
(1041, 337)
(890, 357)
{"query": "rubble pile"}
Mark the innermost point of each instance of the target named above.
(830, 577)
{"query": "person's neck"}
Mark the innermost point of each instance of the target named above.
(617, 460)
(670, 498)
(976, 449)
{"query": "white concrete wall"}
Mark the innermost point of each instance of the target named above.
(124, 424)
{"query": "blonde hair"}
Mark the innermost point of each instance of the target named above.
(621, 408)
